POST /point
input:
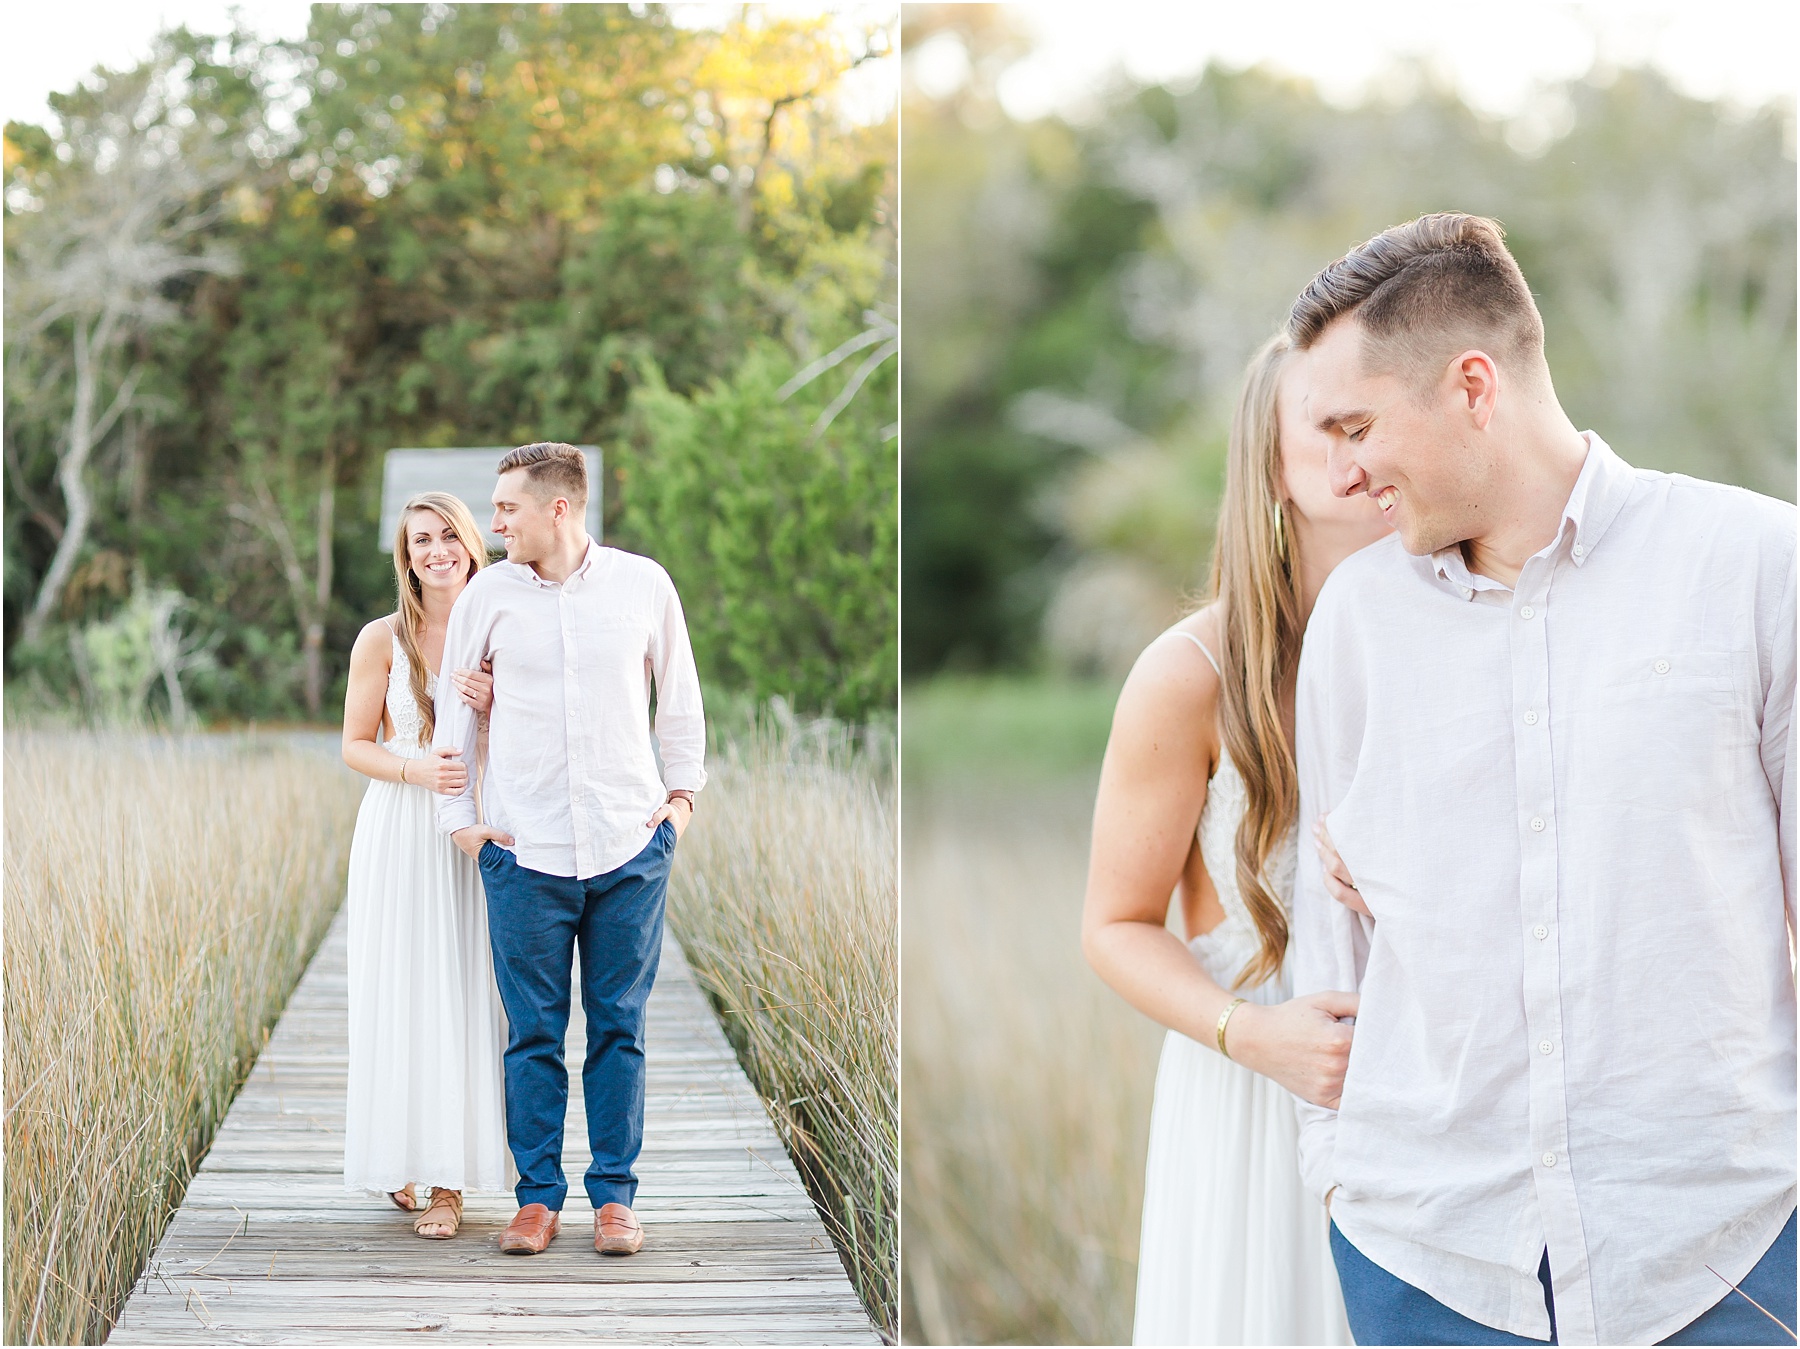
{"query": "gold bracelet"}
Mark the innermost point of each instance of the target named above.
(1225, 1016)
(403, 772)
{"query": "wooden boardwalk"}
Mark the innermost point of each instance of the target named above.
(267, 1247)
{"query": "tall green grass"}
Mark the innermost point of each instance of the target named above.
(1004, 730)
(785, 901)
(1027, 1098)
(163, 897)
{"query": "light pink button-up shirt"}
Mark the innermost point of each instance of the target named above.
(571, 774)
(1570, 807)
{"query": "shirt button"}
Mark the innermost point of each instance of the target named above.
(1549, 1159)
(1531, 718)
(1540, 932)
(1537, 824)
(1527, 612)
(1661, 667)
(1579, 550)
(1544, 1046)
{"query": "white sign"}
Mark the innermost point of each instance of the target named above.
(470, 475)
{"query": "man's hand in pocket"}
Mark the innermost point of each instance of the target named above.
(677, 812)
(471, 838)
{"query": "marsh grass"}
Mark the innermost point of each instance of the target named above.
(163, 896)
(784, 898)
(1027, 1081)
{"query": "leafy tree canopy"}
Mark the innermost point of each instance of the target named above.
(445, 225)
(1081, 299)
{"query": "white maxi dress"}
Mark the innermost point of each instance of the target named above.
(1233, 1249)
(425, 1100)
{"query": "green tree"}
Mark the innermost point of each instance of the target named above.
(480, 224)
(781, 541)
(1081, 300)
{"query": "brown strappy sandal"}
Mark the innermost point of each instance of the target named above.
(405, 1192)
(442, 1202)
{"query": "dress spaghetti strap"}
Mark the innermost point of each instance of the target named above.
(1211, 659)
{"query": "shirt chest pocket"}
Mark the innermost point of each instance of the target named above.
(612, 648)
(1666, 729)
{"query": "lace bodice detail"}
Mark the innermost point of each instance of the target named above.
(1234, 942)
(402, 710)
(1226, 949)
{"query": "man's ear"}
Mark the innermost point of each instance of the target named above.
(1475, 378)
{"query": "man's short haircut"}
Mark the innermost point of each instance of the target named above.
(552, 469)
(1422, 292)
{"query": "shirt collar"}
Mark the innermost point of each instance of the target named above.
(1600, 491)
(573, 580)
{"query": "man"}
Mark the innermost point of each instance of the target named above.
(580, 826)
(1550, 725)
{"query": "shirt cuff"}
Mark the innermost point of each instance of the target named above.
(680, 778)
(1318, 1149)
(456, 812)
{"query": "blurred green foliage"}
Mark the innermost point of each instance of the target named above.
(1081, 297)
(1002, 733)
(787, 574)
(469, 225)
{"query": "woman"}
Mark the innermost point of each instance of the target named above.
(1198, 798)
(426, 1027)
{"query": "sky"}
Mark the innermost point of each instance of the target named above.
(1747, 51)
(47, 48)
(1741, 50)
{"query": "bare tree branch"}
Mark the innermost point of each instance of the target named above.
(121, 401)
(855, 382)
(39, 509)
(267, 517)
(882, 329)
(115, 231)
(868, 337)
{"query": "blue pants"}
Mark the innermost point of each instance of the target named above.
(1386, 1310)
(535, 922)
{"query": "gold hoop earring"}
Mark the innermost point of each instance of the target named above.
(1280, 523)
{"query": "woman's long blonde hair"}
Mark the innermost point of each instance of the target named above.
(1253, 577)
(412, 604)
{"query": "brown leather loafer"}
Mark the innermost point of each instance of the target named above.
(617, 1231)
(531, 1229)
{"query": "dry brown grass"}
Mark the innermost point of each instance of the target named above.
(1027, 1081)
(784, 898)
(162, 898)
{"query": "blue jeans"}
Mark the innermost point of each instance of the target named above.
(1386, 1310)
(535, 922)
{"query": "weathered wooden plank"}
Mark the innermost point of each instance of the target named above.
(219, 1186)
(218, 1232)
(584, 1328)
(479, 1290)
(274, 1204)
(268, 1247)
(350, 1261)
(301, 1151)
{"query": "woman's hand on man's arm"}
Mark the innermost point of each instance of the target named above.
(476, 687)
(1338, 883)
